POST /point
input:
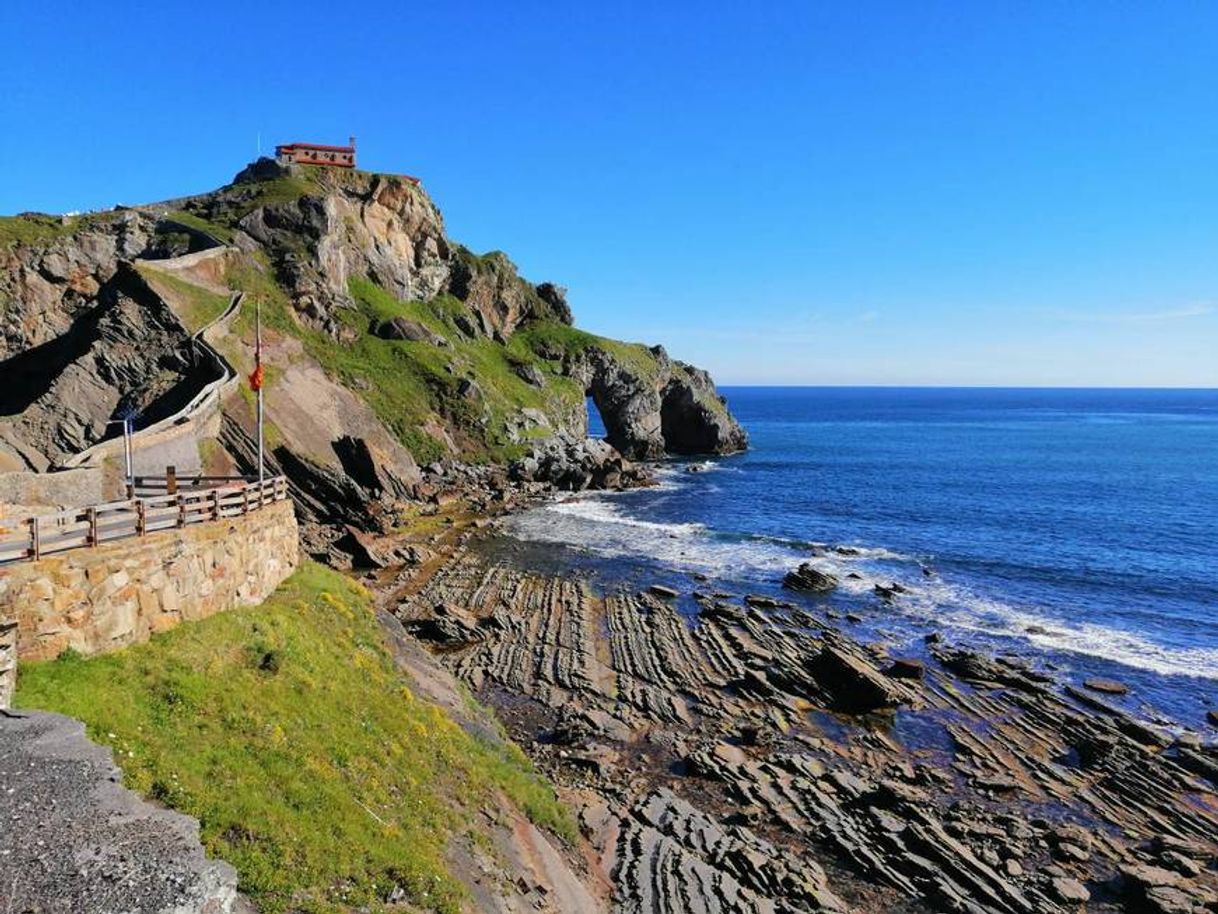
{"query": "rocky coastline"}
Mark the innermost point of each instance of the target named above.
(754, 756)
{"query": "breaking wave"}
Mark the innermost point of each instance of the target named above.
(603, 526)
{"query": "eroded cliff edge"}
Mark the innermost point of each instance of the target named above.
(392, 351)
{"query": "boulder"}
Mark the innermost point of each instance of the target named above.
(808, 579)
(1071, 891)
(854, 685)
(530, 374)
(574, 464)
(905, 668)
(401, 328)
(761, 602)
(1212, 717)
(666, 593)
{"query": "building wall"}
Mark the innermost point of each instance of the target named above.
(99, 599)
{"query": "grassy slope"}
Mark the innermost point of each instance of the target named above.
(38, 228)
(405, 382)
(195, 306)
(288, 732)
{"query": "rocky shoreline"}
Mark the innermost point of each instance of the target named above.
(756, 757)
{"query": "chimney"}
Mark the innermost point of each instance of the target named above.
(351, 141)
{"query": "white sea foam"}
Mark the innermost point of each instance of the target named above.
(952, 606)
(602, 526)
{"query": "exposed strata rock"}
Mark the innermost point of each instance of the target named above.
(701, 774)
(401, 328)
(76, 842)
(124, 347)
(377, 226)
(386, 229)
(111, 338)
(809, 579)
(45, 288)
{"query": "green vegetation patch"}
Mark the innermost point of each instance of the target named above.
(287, 730)
(411, 384)
(220, 212)
(195, 305)
(191, 220)
(40, 228)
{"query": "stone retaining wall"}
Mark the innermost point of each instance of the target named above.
(8, 660)
(100, 599)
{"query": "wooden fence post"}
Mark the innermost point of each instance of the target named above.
(141, 519)
(181, 511)
(93, 526)
(171, 480)
(35, 539)
(215, 504)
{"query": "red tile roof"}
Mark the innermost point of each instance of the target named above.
(316, 146)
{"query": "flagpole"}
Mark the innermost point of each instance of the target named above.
(258, 371)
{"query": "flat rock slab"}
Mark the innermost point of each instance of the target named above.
(1106, 686)
(73, 839)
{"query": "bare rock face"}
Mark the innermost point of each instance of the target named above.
(376, 226)
(499, 299)
(123, 347)
(45, 287)
(387, 229)
(653, 406)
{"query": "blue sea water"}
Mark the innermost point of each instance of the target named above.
(1076, 528)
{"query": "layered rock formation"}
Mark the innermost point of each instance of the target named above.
(743, 753)
(81, 335)
(655, 406)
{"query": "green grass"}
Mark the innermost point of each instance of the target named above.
(197, 307)
(288, 732)
(40, 228)
(409, 383)
(223, 232)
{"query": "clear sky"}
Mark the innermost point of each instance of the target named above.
(886, 193)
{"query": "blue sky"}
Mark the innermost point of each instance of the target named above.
(886, 193)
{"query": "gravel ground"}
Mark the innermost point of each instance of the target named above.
(73, 839)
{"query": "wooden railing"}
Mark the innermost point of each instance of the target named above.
(45, 534)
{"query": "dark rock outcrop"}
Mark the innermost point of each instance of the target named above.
(577, 464)
(652, 405)
(853, 685)
(809, 580)
(124, 349)
(401, 328)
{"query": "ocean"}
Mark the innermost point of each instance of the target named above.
(1076, 529)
